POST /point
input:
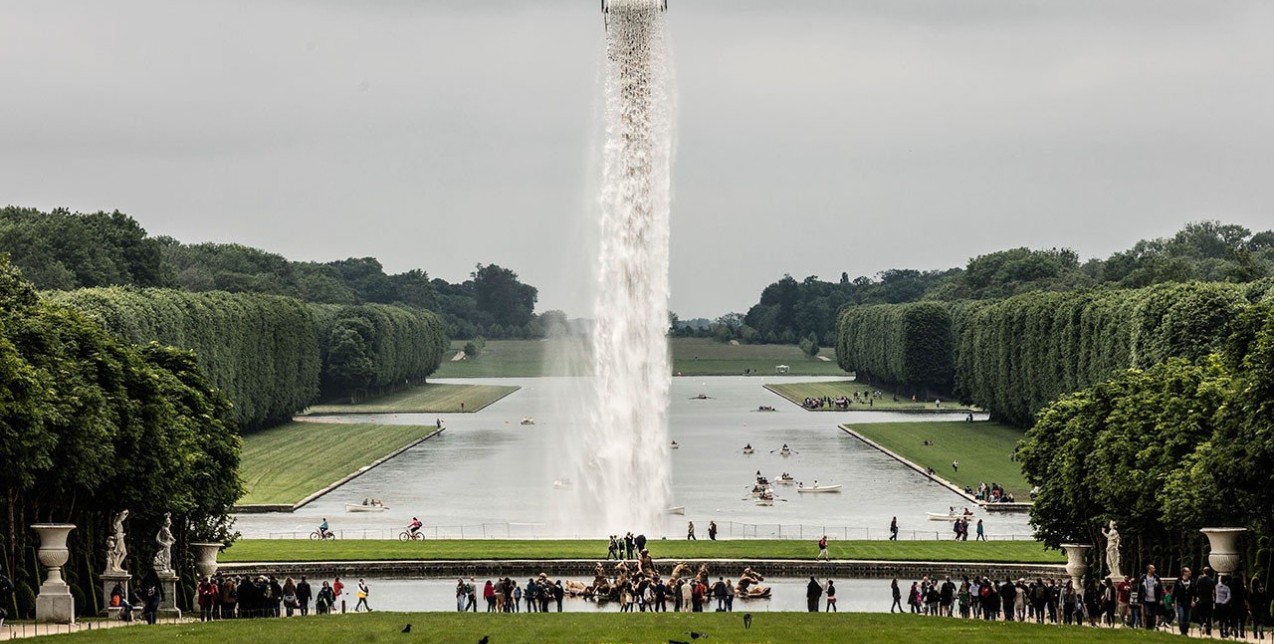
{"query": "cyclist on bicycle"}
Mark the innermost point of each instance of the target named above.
(414, 525)
(323, 531)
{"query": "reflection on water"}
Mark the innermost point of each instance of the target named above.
(489, 469)
(429, 595)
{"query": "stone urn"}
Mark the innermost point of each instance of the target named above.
(1076, 563)
(1223, 554)
(206, 558)
(54, 603)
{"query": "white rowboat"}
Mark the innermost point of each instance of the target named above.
(358, 507)
(934, 516)
(820, 488)
(678, 509)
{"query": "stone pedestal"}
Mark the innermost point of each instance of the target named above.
(109, 579)
(168, 607)
(54, 603)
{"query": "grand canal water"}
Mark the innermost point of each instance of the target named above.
(496, 477)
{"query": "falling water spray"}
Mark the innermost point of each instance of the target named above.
(622, 460)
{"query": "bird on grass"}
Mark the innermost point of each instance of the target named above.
(695, 636)
(407, 628)
(486, 639)
(677, 642)
(747, 620)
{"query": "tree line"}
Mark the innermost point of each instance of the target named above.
(1015, 355)
(273, 355)
(91, 424)
(1208, 251)
(62, 250)
(1166, 450)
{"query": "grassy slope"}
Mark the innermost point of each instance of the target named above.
(983, 449)
(287, 463)
(430, 398)
(360, 550)
(797, 392)
(614, 627)
(531, 358)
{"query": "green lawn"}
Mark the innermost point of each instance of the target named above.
(285, 464)
(690, 356)
(278, 550)
(984, 450)
(797, 392)
(706, 357)
(429, 398)
(467, 628)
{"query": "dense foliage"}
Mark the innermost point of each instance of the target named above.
(1206, 251)
(1165, 451)
(907, 345)
(372, 348)
(261, 350)
(63, 251)
(89, 425)
(1015, 355)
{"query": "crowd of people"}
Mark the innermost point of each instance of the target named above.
(505, 595)
(1227, 604)
(841, 402)
(239, 597)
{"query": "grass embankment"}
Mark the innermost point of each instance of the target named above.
(690, 356)
(984, 450)
(429, 398)
(499, 628)
(277, 550)
(797, 392)
(285, 464)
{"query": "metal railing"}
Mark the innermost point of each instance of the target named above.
(725, 530)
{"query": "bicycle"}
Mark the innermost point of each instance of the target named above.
(407, 535)
(318, 536)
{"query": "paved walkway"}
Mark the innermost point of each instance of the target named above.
(22, 630)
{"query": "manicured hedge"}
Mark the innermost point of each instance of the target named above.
(1015, 355)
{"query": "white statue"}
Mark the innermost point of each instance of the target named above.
(164, 556)
(1112, 551)
(116, 549)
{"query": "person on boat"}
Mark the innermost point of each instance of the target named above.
(747, 447)
(323, 531)
(414, 526)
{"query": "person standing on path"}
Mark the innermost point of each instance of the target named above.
(690, 532)
(813, 592)
(152, 593)
(471, 591)
(897, 597)
(303, 595)
(362, 597)
(1151, 595)
(712, 530)
(831, 597)
(893, 529)
(822, 550)
(1183, 599)
(981, 531)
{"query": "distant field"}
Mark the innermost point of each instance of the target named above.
(429, 398)
(984, 450)
(797, 392)
(277, 550)
(285, 464)
(690, 356)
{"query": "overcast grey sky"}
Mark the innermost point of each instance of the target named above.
(815, 137)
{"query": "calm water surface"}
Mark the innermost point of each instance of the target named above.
(496, 477)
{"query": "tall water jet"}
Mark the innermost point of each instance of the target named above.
(622, 468)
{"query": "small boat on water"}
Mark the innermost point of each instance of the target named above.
(527, 420)
(934, 516)
(819, 488)
(674, 445)
(358, 507)
(562, 484)
(749, 450)
(785, 479)
(676, 509)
